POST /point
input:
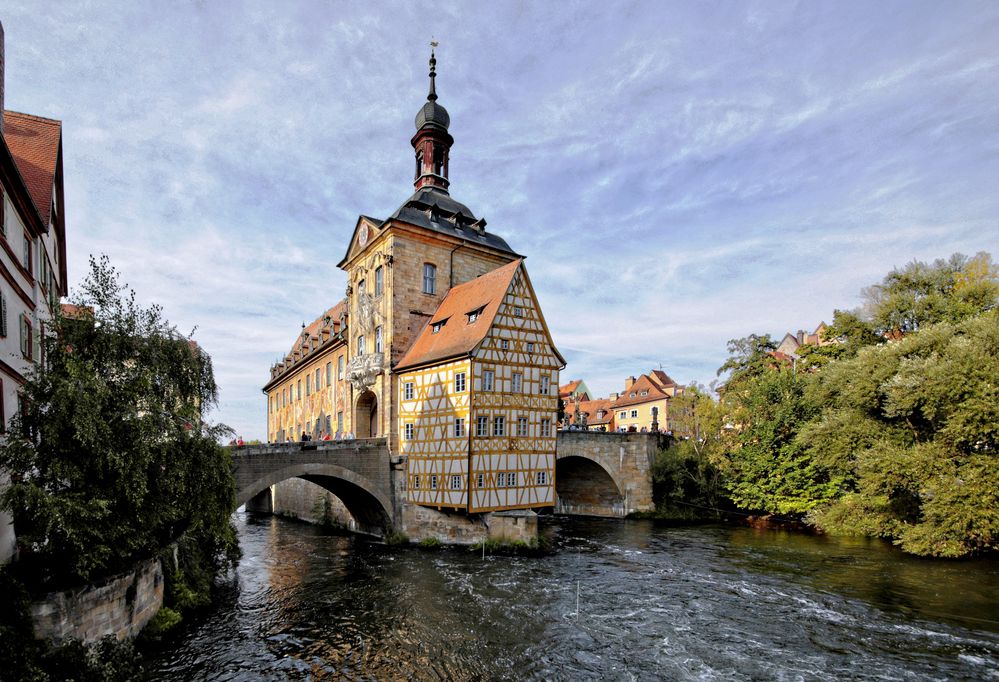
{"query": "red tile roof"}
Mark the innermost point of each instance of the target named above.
(312, 331)
(569, 388)
(590, 408)
(643, 383)
(457, 337)
(34, 144)
(661, 379)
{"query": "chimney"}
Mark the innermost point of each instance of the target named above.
(628, 382)
(1, 78)
(615, 396)
(801, 336)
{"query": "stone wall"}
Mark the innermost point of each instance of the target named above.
(449, 527)
(121, 606)
(307, 501)
(516, 525)
(626, 457)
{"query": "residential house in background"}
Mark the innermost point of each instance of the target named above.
(575, 390)
(33, 253)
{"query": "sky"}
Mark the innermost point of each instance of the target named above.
(677, 174)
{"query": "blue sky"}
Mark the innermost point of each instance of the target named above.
(678, 174)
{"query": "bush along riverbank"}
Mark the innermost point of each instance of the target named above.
(111, 464)
(888, 427)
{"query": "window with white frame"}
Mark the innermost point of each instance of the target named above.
(511, 479)
(329, 373)
(522, 426)
(480, 480)
(634, 414)
(379, 280)
(429, 278)
(482, 427)
(407, 390)
(455, 482)
(360, 344)
(546, 428)
(459, 427)
(459, 382)
(517, 381)
(339, 421)
(488, 380)
(518, 311)
(499, 426)
(530, 346)
(544, 385)
(433, 481)
(339, 368)
(541, 478)
(416, 482)
(504, 344)
(378, 339)
(623, 415)
(308, 385)
(436, 327)
(410, 431)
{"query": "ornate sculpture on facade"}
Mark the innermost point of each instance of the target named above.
(362, 370)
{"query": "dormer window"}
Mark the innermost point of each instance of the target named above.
(437, 326)
(645, 392)
(632, 394)
(474, 315)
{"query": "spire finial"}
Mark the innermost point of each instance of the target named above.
(433, 72)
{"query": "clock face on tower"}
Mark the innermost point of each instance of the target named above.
(362, 235)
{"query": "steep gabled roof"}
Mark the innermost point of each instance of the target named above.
(457, 336)
(643, 383)
(569, 388)
(34, 143)
(661, 379)
(590, 409)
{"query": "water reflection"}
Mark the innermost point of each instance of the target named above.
(654, 603)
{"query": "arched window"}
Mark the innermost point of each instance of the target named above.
(429, 278)
(360, 344)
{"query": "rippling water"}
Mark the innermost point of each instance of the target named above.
(655, 603)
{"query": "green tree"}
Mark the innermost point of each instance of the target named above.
(767, 468)
(110, 458)
(921, 294)
(914, 427)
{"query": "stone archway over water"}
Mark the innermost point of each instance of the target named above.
(584, 487)
(357, 473)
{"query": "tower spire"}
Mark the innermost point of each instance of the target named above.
(433, 72)
(432, 142)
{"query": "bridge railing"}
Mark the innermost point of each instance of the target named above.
(356, 445)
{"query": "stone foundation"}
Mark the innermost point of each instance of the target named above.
(121, 606)
(517, 525)
(449, 527)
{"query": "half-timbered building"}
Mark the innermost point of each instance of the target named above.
(447, 354)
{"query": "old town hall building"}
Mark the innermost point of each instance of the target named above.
(440, 346)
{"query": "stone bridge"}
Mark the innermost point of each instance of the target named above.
(359, 472)
(604, 474)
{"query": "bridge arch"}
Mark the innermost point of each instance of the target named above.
(584, 485)
(370, 507)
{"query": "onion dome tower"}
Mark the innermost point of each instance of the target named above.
(432, 141)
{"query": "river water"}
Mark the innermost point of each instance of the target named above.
(655, 603)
